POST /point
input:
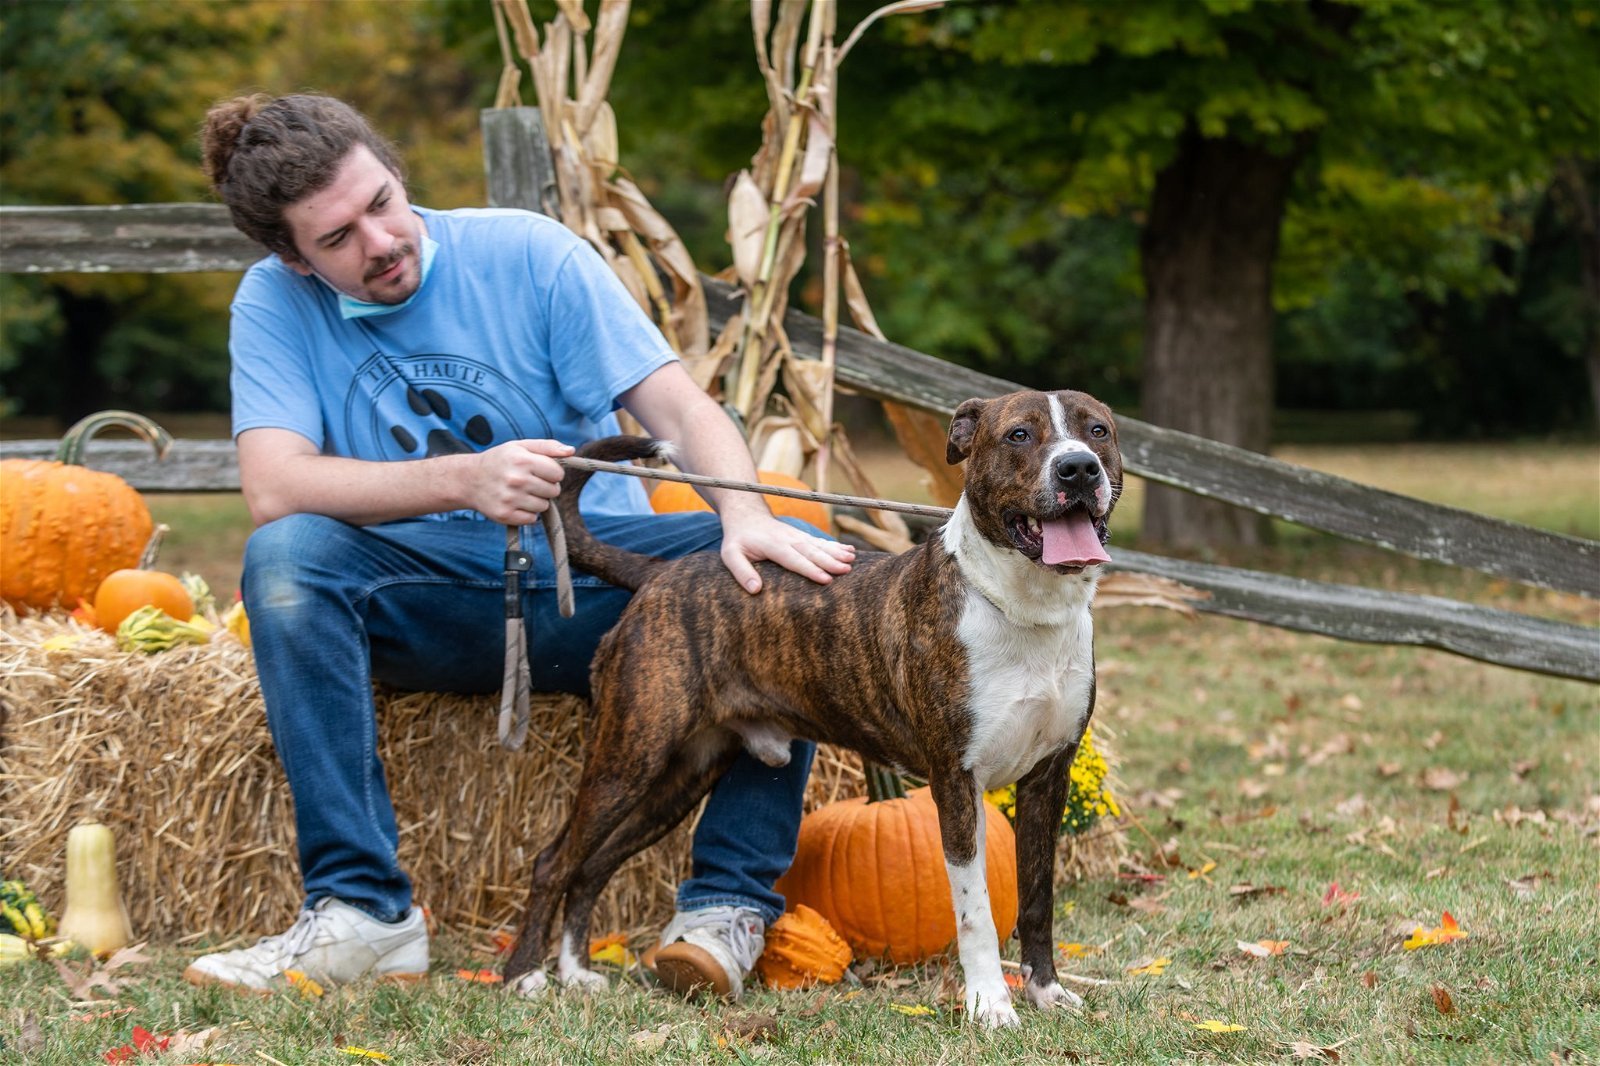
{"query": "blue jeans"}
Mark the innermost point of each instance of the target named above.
(419, 605)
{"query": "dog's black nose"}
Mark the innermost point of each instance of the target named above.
(1078, 470)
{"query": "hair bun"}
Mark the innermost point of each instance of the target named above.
(219, 135)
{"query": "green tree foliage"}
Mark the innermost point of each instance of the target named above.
(102, 102)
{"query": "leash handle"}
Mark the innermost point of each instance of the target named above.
(515, 682)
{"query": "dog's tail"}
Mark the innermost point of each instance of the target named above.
(608, 562)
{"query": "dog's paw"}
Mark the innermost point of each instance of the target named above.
(530, 985)
(1052, 995)
(992, 1008)
(581, 980)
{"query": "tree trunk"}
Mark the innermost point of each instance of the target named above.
(1207, 253)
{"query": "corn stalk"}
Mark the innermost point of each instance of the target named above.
(571, 64)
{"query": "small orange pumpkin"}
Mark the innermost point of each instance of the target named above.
(802, 949)
(672, 496)
(125, 591)
(876, 872)
(64, 527)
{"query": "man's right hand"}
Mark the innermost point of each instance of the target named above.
(513, 483)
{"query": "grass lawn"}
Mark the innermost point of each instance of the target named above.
(1260, 768)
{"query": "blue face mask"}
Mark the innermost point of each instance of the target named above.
(350, 307)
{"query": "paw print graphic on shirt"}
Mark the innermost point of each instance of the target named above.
(440, 440)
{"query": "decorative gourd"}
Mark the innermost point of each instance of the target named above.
(875, 870)
(802, 949)
(64, 527)
(125, 591)
(672, 496)
(95, 915)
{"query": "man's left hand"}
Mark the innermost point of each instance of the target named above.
(751, 538)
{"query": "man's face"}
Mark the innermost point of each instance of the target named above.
(359, 234)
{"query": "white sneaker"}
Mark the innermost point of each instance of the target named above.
(710, 948)
(331, 943)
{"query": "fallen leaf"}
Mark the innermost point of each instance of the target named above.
(1152, 968)
(1434, 740)
(1207, 868)
(1149, 904)
(482, 977)
(503, 940)
(1442, 1000)
(1304, 1049)
(1369, 979)
(1246, 890)
(363, 1053)
(1444, 933)
(652, 1039)
(1075, 950)
(1015, 980)
(612, 950)
(1389, 769)
(103, 1014)
(1341, 744)
(1262, 949)
(30, 1037)
(1440, 779)
(752, 1026)
(1338, 896)
(81, 984)
(1212, 1026)
(1354, 807)
(129, 956)
(1250, 788)
(306, 986)
(1524, 886)
(915, 1010)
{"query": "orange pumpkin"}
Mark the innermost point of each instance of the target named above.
(672, 496)
(125, 591)
(64, 527)
(802, 949)
(876, 871)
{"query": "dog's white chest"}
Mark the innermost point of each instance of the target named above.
(1029, 689)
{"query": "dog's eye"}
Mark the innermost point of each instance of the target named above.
(1020, 435)
(1097, 430)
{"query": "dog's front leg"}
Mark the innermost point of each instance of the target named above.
(1041, 798)
(961, 830)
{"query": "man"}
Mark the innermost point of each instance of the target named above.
(404, 381)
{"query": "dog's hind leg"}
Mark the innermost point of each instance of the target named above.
(614, 781)
(673, 796)
(1041, 798)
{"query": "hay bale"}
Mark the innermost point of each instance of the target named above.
(172, 751)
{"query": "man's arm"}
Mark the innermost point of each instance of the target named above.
(282, 473)
(671, 406)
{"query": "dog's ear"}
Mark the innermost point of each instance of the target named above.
(963, 427)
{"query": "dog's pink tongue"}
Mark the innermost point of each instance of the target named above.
(1072, 541)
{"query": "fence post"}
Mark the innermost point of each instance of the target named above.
(516, 160)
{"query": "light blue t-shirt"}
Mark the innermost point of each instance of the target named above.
(520, 330)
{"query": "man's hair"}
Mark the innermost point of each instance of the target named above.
(263, 154)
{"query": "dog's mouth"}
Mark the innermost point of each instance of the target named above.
(1066, 541)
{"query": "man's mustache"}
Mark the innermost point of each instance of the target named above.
(400, 253)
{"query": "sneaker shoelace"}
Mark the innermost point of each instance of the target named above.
(740, 929)
(295, 941)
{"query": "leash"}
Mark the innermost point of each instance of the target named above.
(515, 683)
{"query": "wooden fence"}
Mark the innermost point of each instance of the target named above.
(167, 238)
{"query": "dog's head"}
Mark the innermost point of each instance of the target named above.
(1043, 473)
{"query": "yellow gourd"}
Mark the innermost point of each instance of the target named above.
(95, 916)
